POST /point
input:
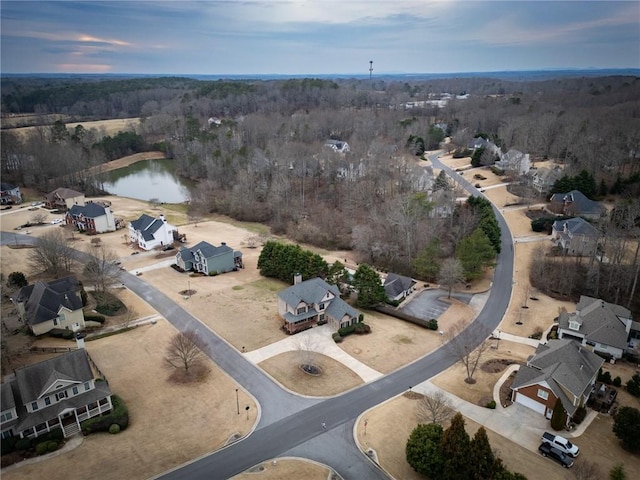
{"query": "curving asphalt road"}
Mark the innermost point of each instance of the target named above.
(290, 425)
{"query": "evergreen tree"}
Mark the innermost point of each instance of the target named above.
(338, 276)
(367, 283)
(482, 458)
(423, 450)
(427, 264)
(618, 472)
(474, 253)
(455, 448)
(558, 416)
(626, 426)
(441, 182)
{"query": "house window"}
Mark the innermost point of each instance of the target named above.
(55, 321)
(47, 400)
(301, 310)
(6, 416)
(75, 390)
(61, 395)
(6, 434)
(87, 385)
(34, 406)
(543, 394)
(322, 306)
(322, 317)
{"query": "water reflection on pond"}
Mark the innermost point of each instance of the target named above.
(148, 179)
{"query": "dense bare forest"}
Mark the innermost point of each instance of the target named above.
(258, 150)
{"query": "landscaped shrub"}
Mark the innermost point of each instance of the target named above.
(356, 328)
(537, 334)
(61, 333)
(119, 415)
(115, 428)
(108, 304)
(578, 417)
(8, 445)
(491, 405)
(605, 378)
(55, 434)
(432, 324)
(42, 448)
(94, 318)
(393, 303)
(617, 382)
(633, 385)
(23, 444)
(336, 337)
(213, 273)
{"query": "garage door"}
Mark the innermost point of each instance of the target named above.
(530, 403)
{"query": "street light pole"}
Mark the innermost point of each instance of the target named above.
(237, 402)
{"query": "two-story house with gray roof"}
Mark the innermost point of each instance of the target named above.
(10, 194)
(208, 259)
(514, 161)
(314, 302)
(149, 233)
(561, 369)
(9, 413)
(91, 218)
(575, 236)
(598, 325)
(43, 306)
(63, 199)
(57, 393)
(576, 203)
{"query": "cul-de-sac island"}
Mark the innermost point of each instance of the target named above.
(359, 279)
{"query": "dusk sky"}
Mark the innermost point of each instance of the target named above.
(316, 36)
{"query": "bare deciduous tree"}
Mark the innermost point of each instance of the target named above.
(38, 218)
(460, 343)
(52, 254)
(451, 272)
(185, 350)
(434, 408)
(307, 347)
(586, 470)
(101, 269)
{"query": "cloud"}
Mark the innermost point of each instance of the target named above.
(83, 68)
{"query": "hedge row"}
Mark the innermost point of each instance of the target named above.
(94, 318)
(358, 328)
(119, 415)
(13, 444)
(430, 324)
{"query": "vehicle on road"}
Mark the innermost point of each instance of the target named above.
(56, 221)
(561, 444)
(552, 452)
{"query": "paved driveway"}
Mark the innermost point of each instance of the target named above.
(428, 304)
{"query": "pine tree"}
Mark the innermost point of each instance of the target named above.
(455, 447)
(558, 416)
(423, 450)
(482, 458)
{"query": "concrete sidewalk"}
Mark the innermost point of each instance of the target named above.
(319, 340)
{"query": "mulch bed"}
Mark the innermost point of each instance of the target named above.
(496, 365)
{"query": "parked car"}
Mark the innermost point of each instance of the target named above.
(56, 221)
(552, 452)
(561, 444)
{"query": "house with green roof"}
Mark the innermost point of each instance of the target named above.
(208, 259)
(312, 302)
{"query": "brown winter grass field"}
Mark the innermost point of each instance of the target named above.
(240, 306)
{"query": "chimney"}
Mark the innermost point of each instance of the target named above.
(581, 367)
(223, 243)
(79, 340)
(297, 278)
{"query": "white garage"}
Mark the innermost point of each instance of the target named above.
(530, 403)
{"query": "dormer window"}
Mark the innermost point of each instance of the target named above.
(321, 306)
(574, 325)
(301, 310)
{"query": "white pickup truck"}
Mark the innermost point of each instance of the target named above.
(561, 444)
